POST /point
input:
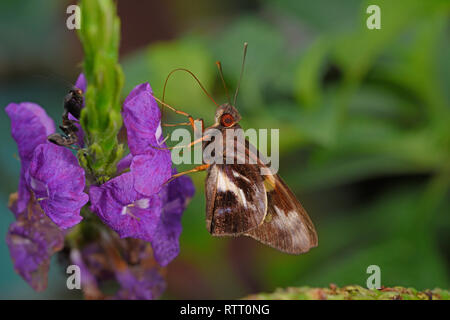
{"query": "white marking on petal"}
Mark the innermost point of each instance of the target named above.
(142, 203)
(33, 183)
(158, 132)
(39, 186)
(124, 210)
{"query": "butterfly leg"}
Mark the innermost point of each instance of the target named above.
(202, 167)
(176, 124)
(191, 119)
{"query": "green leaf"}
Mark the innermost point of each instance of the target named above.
(264, 66)
(309, 74)
(154, 63)
(324, 15)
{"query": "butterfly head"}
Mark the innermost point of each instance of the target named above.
(227, 115)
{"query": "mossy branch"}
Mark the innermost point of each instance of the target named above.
(352, 293)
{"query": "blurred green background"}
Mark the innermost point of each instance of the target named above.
(363, 115)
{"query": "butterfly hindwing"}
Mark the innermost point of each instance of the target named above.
(286, 227)
(235, 199)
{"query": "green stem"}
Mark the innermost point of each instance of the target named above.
(101, 119)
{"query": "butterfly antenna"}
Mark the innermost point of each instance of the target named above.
(219, 66)
(242, 72)
(196, 79)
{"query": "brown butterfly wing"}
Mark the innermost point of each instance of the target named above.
(235, 199)
(278, 219)
(286, 227)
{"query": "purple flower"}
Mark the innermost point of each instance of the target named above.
(137, 204)
(30, 126)
(58, 182)
(124, 210)
(151, 171)
(128, 261)
(156, 219)
(142, 119)
(51, 172)
(145, 285)
(81, 82)
(32, 240)
(88, 281)
(95, 263)
(129, 203)
(175, 196)
(124, 163)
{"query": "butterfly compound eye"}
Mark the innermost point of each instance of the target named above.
(227, 120)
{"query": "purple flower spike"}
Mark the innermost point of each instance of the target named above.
(32, 240)
(30, 126)
(58, 182)
(124, 210)
(142, 118)
(175, 196)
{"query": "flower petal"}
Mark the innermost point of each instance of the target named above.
(124, 163)
(88, 281)
(151, 171)
(124, 210)
(58, 182)
(146, 285)
(81, 82)
(142, 118)
(32, 240)
(23, 192)
(165, 242)
(30, 126)
(80, 132)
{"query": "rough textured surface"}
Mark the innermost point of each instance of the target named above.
(352, 293)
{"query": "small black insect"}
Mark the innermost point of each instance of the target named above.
(73, 103)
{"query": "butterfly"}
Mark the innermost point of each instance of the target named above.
(240, 199)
